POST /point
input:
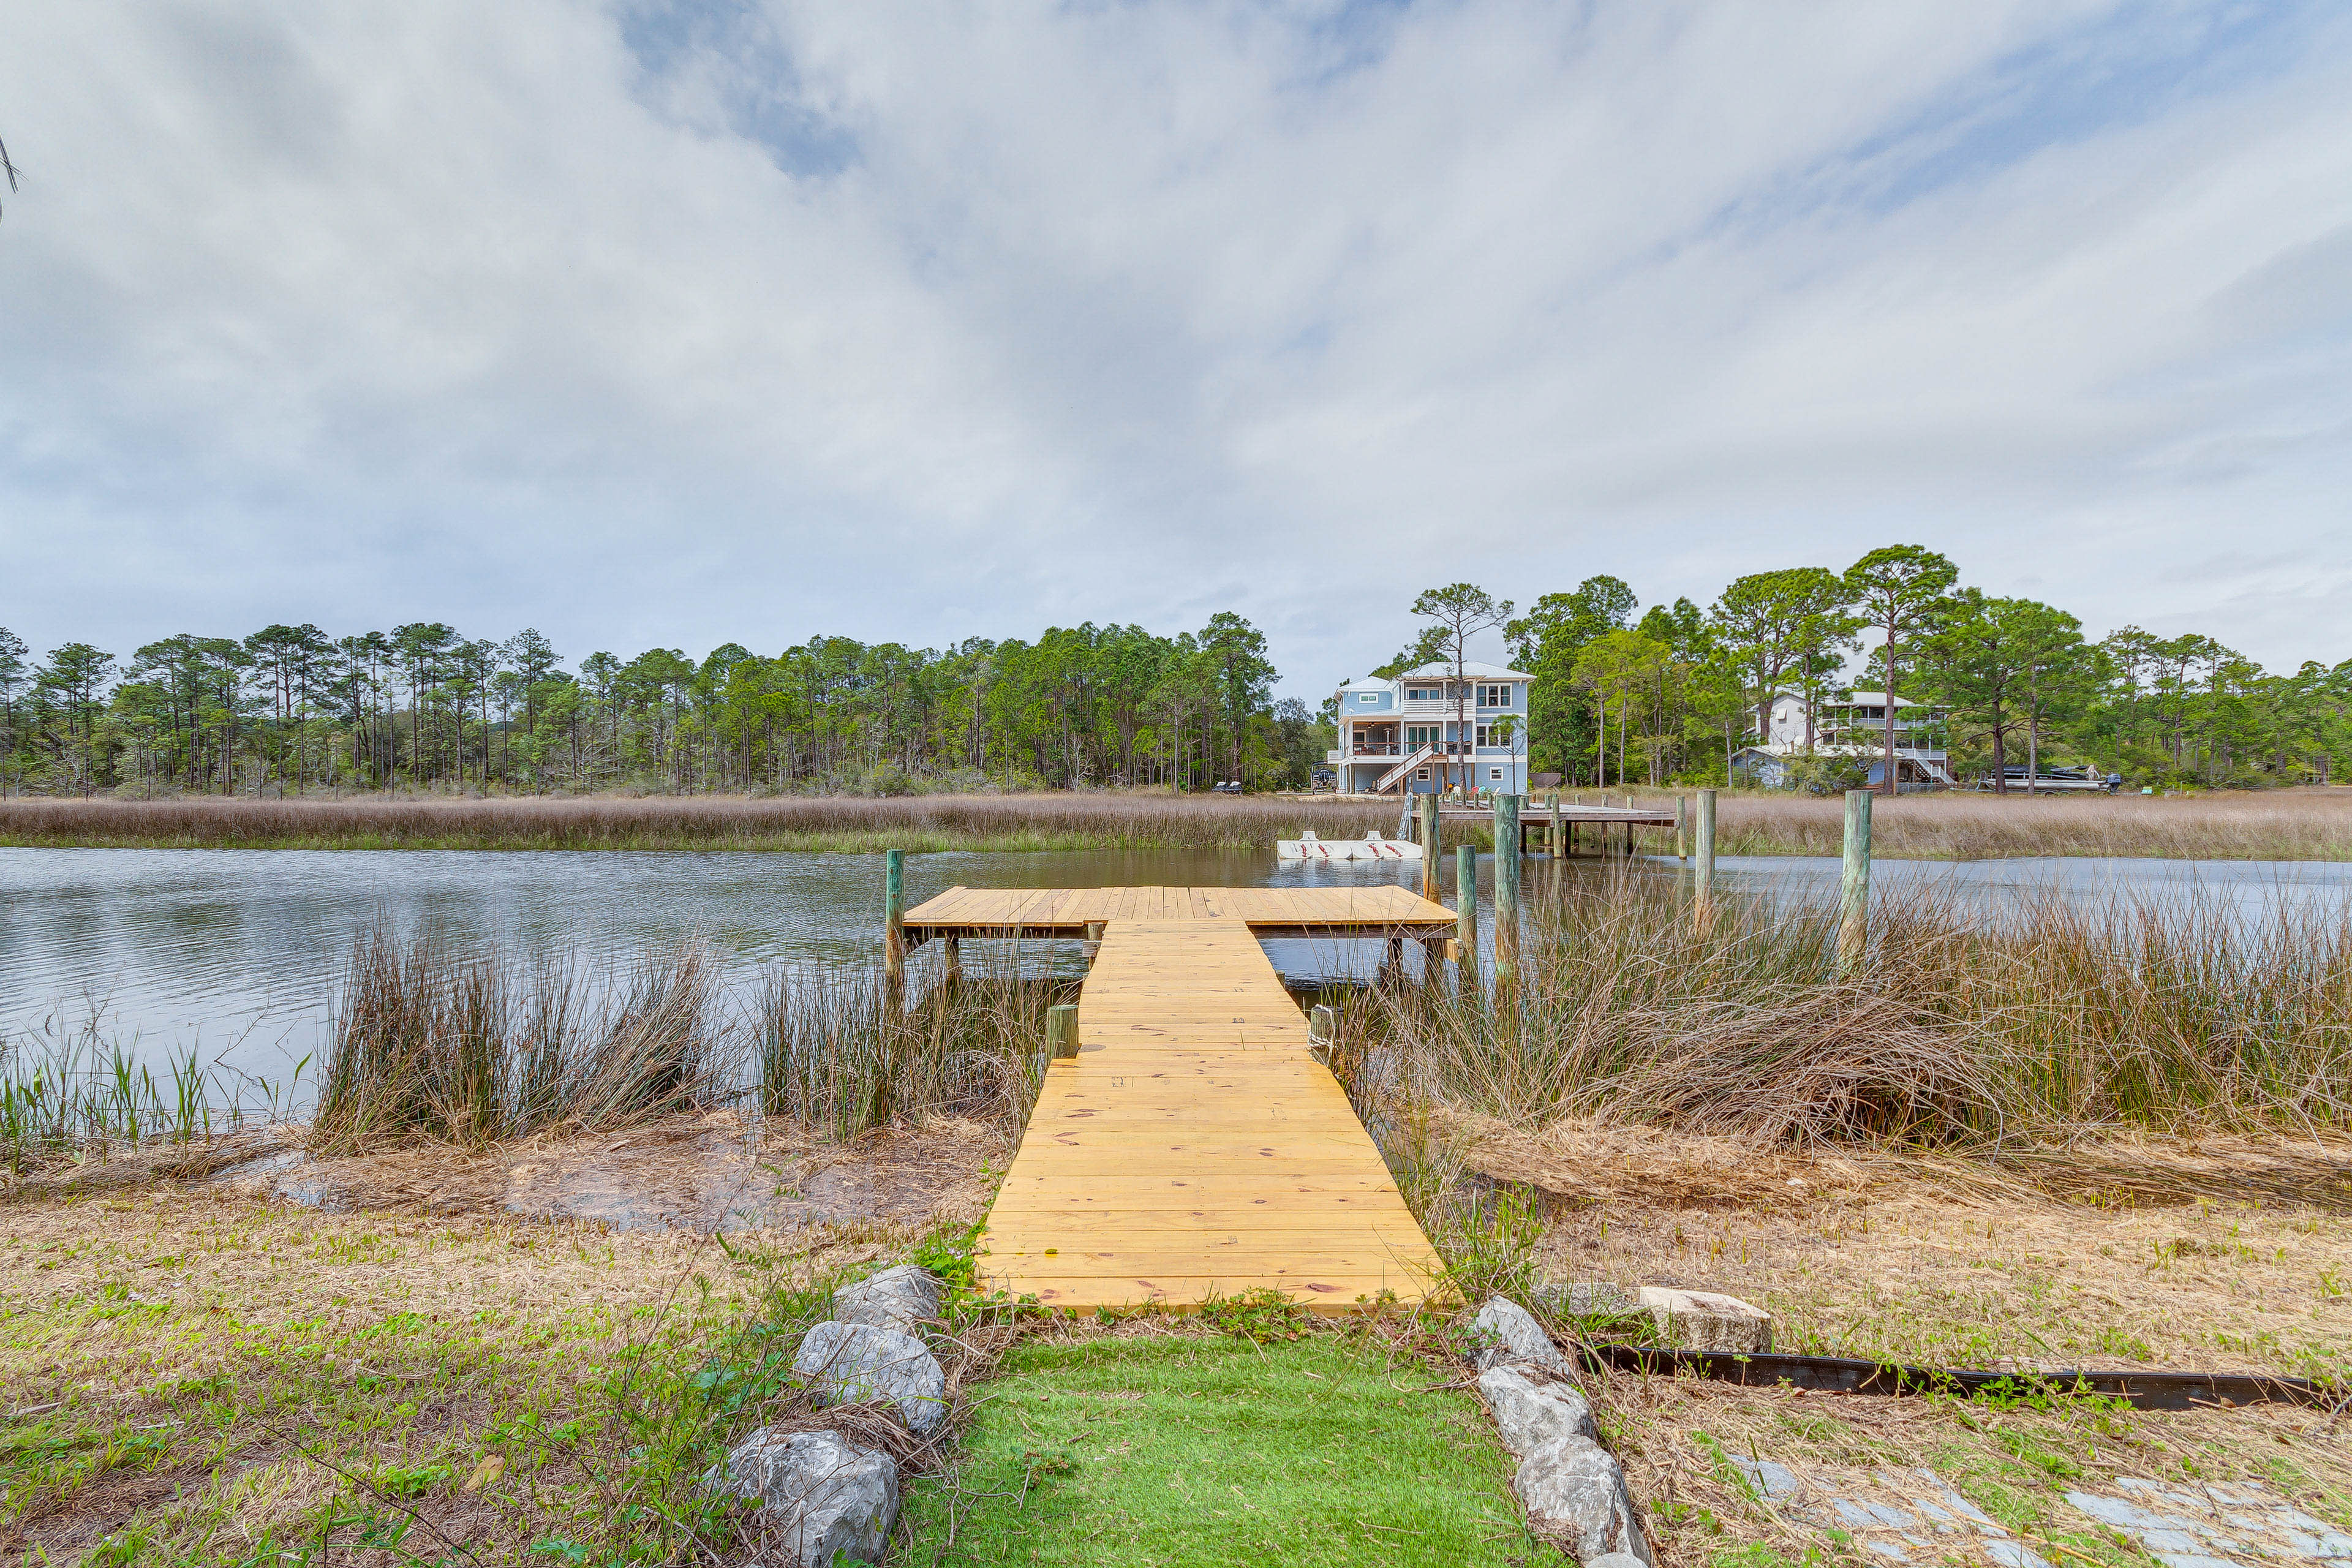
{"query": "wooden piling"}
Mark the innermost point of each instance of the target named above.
(1682, 827)
(1703, 861)
(1428, 805)
(951, 960)
(1466, 916)
(1062, 1031)
(894, 920)
(1559, 838)
(1854, 886)
(1322, 1032)
(1507, 888)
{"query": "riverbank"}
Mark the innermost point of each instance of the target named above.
(2282, 825)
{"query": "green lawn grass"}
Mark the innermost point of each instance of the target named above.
(1192, 1450)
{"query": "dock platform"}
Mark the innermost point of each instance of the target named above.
(1384, 911)
(1193, 1147)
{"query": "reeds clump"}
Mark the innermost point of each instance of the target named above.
(70, 1089)
(839, 1051)
(430, 1044)
(1967, 1023)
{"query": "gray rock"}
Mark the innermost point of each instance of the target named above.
(1708, 1321)
(824, 1497)
(1530, 1414)
(1616, 1560)
(1574, 1490)
(851, 1363)
(904, 1298)
(1503, 1332)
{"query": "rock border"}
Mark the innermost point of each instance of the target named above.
(1573, 1489)
(823, 1497)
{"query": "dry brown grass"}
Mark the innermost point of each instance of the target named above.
(1093, 819)
(2107, 1254)
(2311, 823)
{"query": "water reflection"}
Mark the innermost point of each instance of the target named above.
(236, 953)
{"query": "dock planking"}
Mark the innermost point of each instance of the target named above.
(1193, 1147)
(1384, 910)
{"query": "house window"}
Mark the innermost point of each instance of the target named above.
(1494, 775)
(1422, 693)
(1367, 698)
(1487, 736)
(1496, 696)
(1416, 736)
(1421, 773)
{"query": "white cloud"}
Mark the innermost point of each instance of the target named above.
(676, 325)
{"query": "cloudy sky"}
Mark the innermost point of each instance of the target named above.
(682, 323)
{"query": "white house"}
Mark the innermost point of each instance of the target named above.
(1853, 725)
(1420, 732)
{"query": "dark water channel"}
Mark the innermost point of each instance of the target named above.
(237, 954)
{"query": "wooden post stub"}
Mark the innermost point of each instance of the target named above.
(1559, 843)
(1428, 807)
(1682, 827)
(894, 916)
(1703, 859)
(1506, 886)
(1465, 914)
(1062, 1030)
(1854, 886)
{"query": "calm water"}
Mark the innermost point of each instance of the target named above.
(237, 953)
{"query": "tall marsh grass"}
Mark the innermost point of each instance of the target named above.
(837, 1052)
(1039, 821)
(474, 1047)
(2277, 824)
(2041, 1017)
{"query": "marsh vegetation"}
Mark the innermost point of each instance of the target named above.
(2276, 824)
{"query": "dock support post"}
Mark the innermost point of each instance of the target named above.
(1062, 1030)
(1507, 889)
(1428, 807)
(1703, 876)
(1392, 968)
(1094, 940)
(1466, 918)
(1682, 827)
(951, 960)
(1854, 886)
(894, 921)
(1559, 844)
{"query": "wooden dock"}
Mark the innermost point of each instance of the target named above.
(1381, 911)
(1193, 1147)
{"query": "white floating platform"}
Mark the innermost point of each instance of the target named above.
(1371, 847)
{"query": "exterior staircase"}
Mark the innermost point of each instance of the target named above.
(1403, 770)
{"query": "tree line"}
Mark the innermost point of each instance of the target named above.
(1671, 697)
(292, 709)
(1666, 698)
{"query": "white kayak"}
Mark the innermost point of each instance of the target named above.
(1371, 847)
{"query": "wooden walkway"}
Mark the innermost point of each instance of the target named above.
(1380, 910)
(1193, 1147)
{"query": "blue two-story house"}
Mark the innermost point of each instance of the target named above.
(1429, 731)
